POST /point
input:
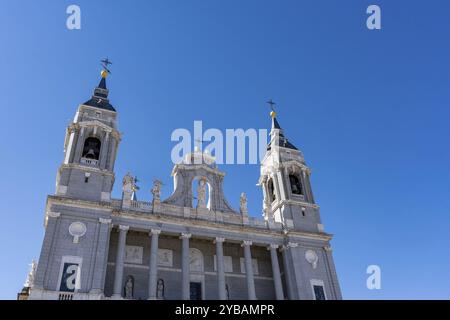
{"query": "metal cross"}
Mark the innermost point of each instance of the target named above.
(105, 63)
(271, 104)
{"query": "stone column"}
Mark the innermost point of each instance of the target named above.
(185, 274)
(101, 256)
(289, 270)
(249, 270)
(104, 151)
(153, 271)
(220, 269)
(120, 258)
(72, 145)
(332, 270)
(80, 145)
(307, 185)
(276, 272)
(111, 159)
(276, 186)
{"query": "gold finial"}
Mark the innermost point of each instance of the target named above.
(104, 73)
(105, 63)
(273, 114)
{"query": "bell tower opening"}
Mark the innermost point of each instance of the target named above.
(91, 148)
(271, 189)
(296, 185)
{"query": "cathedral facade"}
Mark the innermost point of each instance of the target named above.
(185, 246)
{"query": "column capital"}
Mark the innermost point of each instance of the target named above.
(124, 228)
(288, 246)
(246, 243)
(292, 245)
(53, 214)
(105, 221)
(273, 246)
(185, 235)
(219, 239)
(328, 248)
(154, 231)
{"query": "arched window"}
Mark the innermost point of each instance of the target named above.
(296, 185)
(271, 189)
(91, 149)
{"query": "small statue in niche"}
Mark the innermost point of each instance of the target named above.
(160, 289)
(156, 190)
(201, 194)
(129, 287)
(243, 203)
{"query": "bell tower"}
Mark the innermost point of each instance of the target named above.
(90, 148)
(285, 180)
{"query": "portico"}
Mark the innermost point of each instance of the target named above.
(211, 249)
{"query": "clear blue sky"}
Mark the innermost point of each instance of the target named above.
(369, 109)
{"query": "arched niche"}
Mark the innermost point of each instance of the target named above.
(201, 192)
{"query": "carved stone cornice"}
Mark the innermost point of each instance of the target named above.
(280, 203)
(86, 168)
(137, 217)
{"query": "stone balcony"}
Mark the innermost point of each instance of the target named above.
(143, 207)
(89, 162)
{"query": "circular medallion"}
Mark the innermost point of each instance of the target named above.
(312, 258)
(77, 230)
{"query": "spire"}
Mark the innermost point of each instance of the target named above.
(277, 137)
(100, 97)
(275, 124)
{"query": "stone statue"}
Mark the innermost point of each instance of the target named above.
(29, 283)
(129, 286)
(129, 187)
(128, 182)
(160, 289)
(201, 194)
(243, 203)
(156, 190)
